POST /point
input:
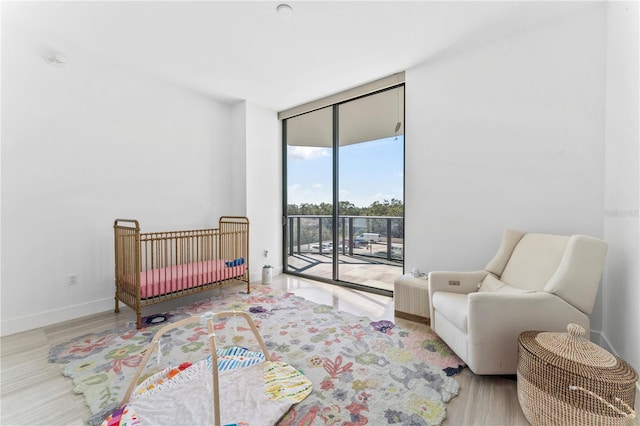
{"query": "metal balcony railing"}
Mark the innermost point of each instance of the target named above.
(381, 237)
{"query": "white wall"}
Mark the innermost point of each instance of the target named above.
(506, 133)
(621, 292)
(258, 180)
(264, 188)
(537, 130)
(237, 179)
(82, 146)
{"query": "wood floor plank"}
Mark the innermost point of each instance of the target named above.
(49, 402)
(34, 392)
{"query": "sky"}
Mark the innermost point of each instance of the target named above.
(369, 171)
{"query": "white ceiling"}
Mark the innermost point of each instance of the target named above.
(244, 50)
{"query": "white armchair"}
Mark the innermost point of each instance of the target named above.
(535, 282)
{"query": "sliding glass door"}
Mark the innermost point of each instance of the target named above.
(344, 191)
(309, 193)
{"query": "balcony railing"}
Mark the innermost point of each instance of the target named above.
(380, 237)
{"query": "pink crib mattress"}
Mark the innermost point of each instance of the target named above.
(157, 282)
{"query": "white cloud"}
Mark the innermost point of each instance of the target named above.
(302, 153)
(317, 186)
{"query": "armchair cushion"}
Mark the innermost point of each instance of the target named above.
(493, 285)
(534, 261)
(510, 239)
(577, 268)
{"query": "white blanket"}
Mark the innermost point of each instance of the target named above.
(242, 399)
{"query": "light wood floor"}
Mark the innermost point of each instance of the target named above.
(34, 392)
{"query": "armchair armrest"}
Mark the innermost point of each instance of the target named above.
(496, 320)
(453, 282)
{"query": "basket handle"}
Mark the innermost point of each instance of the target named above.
(630, 413)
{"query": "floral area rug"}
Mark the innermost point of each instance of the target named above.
(363, 372)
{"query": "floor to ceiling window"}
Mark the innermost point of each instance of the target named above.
(344, 191)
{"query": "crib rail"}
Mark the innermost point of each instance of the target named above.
(234, 241)
(154, 267)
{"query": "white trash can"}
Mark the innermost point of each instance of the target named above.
(267, 274)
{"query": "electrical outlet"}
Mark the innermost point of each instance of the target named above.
(266, 253)
(73, 279)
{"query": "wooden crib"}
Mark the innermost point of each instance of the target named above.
(158, 266)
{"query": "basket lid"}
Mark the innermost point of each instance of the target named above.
(575, 347)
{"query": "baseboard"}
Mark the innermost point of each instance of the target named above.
(54, 316)
(599, 339)
(256, 277)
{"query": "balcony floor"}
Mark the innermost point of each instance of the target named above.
(365, 270)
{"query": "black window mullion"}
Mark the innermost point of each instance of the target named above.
(336, 195)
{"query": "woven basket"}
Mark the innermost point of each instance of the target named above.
(564, 379)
